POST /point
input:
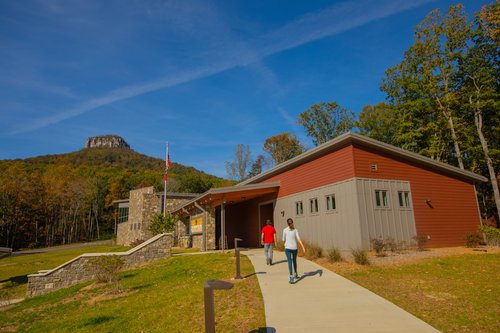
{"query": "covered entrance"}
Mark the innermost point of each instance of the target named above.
(231, 212)
(266, 212)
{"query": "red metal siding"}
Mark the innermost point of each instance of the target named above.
(328, 169)
(454, 211)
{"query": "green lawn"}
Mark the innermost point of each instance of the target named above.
(14, 270)
(163, 296)
(453, 294)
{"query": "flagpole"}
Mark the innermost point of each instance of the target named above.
(165, 184)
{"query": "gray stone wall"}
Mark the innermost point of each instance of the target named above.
(209, 220)
(210, 228)
(143, 204)
(81, 269)
(124, 233)
(197, 241)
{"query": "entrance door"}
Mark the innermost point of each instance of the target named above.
(266, 212)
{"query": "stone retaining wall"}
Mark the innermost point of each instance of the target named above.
(81, 269)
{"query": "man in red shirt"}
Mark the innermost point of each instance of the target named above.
(268, 239)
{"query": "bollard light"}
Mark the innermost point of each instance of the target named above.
(209, 288)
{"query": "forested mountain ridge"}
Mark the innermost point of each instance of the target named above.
(58, 199)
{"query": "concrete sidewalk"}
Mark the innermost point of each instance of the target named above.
(322, 301)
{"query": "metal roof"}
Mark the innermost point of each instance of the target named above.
(354, 138)
(230, 195)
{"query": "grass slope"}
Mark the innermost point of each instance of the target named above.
(453, 294)
(164, 296)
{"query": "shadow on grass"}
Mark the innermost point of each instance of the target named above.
(141, 287)
(130, 275)
(246, 276)
(21, 279)
(96, 321)
(263, 330)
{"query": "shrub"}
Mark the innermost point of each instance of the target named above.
(391, 244)
(402, 246)
(108, 269)
(162, 223)
(360, 256)
(491, 234)
(313, 251)
(378, 246)
(421, 241)
(137, 242)
(280, 246)
(334, 255)
(473, 239)
(7, 290)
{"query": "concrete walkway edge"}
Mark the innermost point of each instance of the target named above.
(322, 301)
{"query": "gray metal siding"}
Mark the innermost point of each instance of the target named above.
(356, 219)
(340, 228)
(394, 221)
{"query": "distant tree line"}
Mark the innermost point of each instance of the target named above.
(60, 199)
(442, 101)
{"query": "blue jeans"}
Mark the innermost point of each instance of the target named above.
(291, 257)
(268, 250)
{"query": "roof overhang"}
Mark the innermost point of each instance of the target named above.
(230, 195)
(357, 139)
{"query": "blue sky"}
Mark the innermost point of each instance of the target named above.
(202, 75)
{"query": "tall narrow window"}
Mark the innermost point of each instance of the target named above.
(299, 208)
(331, 205)
(313, 205)
(122, 214)
(404, 199)
(381, 199)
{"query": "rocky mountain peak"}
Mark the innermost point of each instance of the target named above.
(106, 141)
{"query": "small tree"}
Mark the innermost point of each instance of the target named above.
(108, 269)
(256, 166)
(162, 223)
(325, 121)
(238, 170)
(283, 147)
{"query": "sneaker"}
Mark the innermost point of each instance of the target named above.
(297, 276)
(270, 262)
(291, 280)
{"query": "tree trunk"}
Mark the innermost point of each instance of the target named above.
(478, 121)
(447, 114)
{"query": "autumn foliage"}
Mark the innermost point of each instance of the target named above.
(61, 199)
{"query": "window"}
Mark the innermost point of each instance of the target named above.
(313, 205)
(381, 199)
(299, 208)
(404, 199)
(331, 205)
(122, 214)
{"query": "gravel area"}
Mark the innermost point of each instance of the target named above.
(411, 256)
(401, 258)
